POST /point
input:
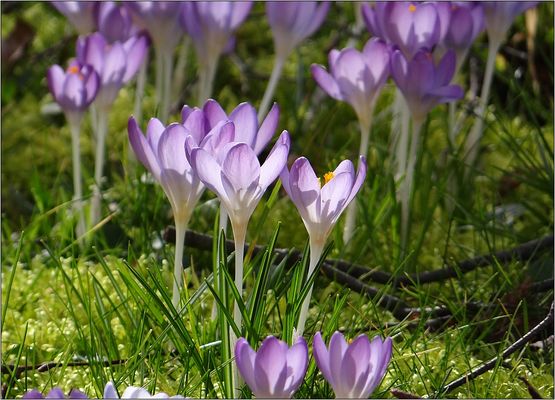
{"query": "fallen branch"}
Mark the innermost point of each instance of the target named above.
(545, 324)
(8, 369)
(404, 395)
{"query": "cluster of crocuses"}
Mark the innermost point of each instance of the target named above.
(422, 46)
(276, 370)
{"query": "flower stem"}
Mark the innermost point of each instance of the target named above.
(139, 93)
(167, 62)
(270, 89)
(222, 227)
(402, 146)
(365, 127)
(206, 79)
(473, 139)
(180, 229)
(406, 186)
(316, 249)
(75, 127)
(158, 58)
(102, 130)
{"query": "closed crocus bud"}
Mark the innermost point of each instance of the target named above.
(237, 178)
(499, 16)
(211, 25)
(55, 393)
(74, 89)
(356, 77)
(114, 22)
(321, 201)
(116, 63)
(466, 23)
(423, 83)
(294, 21)
(275, 370)
(353, 370)
(81, 14)
(410, 26)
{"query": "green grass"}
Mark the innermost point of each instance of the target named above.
(111, 300)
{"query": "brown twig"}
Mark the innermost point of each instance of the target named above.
(546, 323)
(404, 395)
(531, 389)
(8, 369)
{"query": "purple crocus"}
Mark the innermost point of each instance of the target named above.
(465, 24)
(55, 393)
(423, 83)
(276, 370)
(115, 63)
(356, 77)
(81, 14)
(211, 26)
(291, 23)
(134, 392)
(499, 16)
(114, 22)
(74, 89)
(320, 205)
(410, 26)
(353, 370)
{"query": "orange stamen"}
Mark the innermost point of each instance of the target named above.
(74, 69)
(412, 8)
(328, 176)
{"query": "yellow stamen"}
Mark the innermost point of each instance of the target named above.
(74, 69)
(412, 8)
(328, 176)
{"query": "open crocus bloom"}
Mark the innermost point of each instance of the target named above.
(237, 178)
(114, 22)
(115, 63)
(294, 21)
(244, 120)
(74, 89)
(410, 26)
(355, 77)
(81, 14)
(320, 205)
(55, 393)
(211, 25)
(423, 84)
(353, 370)
(133, 392)
(275, 371)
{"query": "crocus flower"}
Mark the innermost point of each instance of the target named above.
(74, 89)
(211, 26)
(115, 63)
(133, 392)
(55, 393)
(321, 203)
(499, 16)
(410, 26)
(465, 24)
(320, 206)
(81, 14)
(275, 371)
(294, 21)
(291, 23)
(423, 83)
(353, 370)
(356, 77)
(114, 22)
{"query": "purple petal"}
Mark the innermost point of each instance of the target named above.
(246, 123)
(305, 186)
(136, 54)
(239, 13)
(359, 180)
(276, 161)
(171, 148)
(77, 394)
(214, 113)
(217, 139)
(338, 347)
(74, 92)
(196, 124)
(297, 363)
(142, 149)
(332, 196)
(267, 129)
(270, 366)
(399, 69)
(55, 78)
(317, 18)
(446, 69)
(55, 393)
(245, 357)
(326, 81)
(358, 355)
(114, 65)
(91, 50)
(447, 94)
(154, 131)
(110, 391)
(208, 170)
(33, 394)
(241, 167)
(322, 357)
(377, 55)
(426, 26)
(185, 112)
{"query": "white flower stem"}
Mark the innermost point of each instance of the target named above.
(402, 145)
(239, 234)
(75, 127)
(167, 62)
(365, 127)
(181, 66)
(473, 140)
(180, 229)
(406, 186)
(316, 249)
(206, 79)
(271, 88)
(102, 130)
(139, 92)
